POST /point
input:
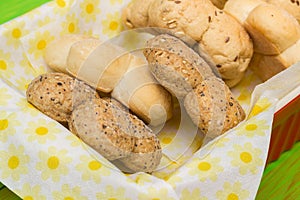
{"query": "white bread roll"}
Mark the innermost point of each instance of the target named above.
(272, 29)
(267, 66)
(142, 94)
(99, 64)
(241, 9)
(56, 52)
(293, 7)
(228, 45)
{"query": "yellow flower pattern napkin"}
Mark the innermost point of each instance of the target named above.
(40, 159)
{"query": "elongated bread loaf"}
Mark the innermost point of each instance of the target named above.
(57, 94)
(100, 64)
(56, 52)
(144, 96)
(207, 99)
(117, 134)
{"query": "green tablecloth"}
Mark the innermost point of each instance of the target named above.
(281, 179)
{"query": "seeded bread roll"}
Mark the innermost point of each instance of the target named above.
(212, 106)
(230, 48)
(116, 134)
(272, 29)
(56, 52)
(146, 154)
(207, 99)
(199, 21)
(56, 94)
(170, 57)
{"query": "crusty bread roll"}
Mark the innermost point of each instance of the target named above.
(200, 21)
(146, 154)
(213, 108)
(100, 64)
(267, 66)
(56, 95)
(207, 99)
(272, 29)
(116, 134)
(170, 57)
(241, 9)
(292, 6)
(56, 52)
(144, 96)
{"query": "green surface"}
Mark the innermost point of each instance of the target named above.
(12, 8)
(281, 179)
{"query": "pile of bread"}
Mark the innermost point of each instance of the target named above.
(111, 98)
(221, 29)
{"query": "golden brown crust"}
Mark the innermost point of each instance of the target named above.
(272, 29)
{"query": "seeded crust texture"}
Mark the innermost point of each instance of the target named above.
(117, 134)
(56, 94)
(167, 59)
(207, 99)
(212, 106)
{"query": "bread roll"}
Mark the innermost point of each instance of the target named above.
(207, 99)
(272, 29)
(228, 45)
(56, 94)
(200, 21)
(267, 66)
(292, 6)
(140, 92)
(99, 64)
(146, 154)
(116, 134)
(176, 66)
(135, 15)
(241, 9)
(56, 52)
(213, 108)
